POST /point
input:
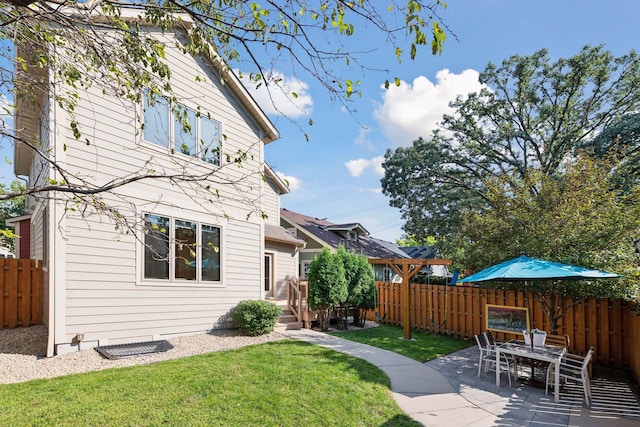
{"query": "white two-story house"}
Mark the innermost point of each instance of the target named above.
(157, 257)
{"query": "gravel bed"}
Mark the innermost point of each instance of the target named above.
(23, 350)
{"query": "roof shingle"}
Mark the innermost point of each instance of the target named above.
(331, 234)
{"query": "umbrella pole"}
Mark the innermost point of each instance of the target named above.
(529, 313)
(532, 380)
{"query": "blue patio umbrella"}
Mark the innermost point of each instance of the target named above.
(527, 268)
(532, 269)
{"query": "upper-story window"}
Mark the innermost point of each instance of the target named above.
(181, 129)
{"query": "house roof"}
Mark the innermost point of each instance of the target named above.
(393, 247)
(421, 251)
(276, 233)
(354, 226)
(17, 219)
(275, 179)
(332, 235)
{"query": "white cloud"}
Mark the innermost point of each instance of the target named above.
(358, 166)
(409, 111)
(292, 182)
(277, 95)
(362, 138)
(376, 164)
(377, 190)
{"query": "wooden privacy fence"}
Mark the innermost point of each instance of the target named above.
(460, 311)
(21, 286)
(634, 347)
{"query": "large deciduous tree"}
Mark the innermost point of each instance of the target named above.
(532, 116)
(506, 174)
(621, 138)
(66, 39)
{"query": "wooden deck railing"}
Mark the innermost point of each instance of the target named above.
(21, 287)
(294, 299)
(297, 300)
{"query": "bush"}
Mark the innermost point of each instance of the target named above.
(256, 317)
(327, 285)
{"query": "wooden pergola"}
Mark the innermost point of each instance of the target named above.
(407, 269)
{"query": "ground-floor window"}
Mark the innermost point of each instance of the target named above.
(179, 249)
(304, 269)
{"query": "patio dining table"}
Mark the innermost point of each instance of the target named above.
(548, 353)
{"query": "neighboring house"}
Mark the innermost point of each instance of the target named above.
(22, 228)
(6, 253)
(190, 260)
(318, 233)
(427, 252)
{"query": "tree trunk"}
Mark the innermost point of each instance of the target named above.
(357, 316)
(323, 319)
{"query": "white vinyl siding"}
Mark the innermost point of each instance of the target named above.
(105, 301)
(285, 266)
(271, 203)
(105, 297)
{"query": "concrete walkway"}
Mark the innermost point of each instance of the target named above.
(447, 391)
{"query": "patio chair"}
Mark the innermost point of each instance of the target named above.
(573, 368)
(490, 338)
(514, 360)
(488, 356)
(559, 340)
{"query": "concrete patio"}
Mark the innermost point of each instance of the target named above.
(447, 391)
(614, 401)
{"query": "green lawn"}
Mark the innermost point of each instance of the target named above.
(282, 383)
(422, 347)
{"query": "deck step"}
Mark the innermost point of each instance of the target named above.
(287, 320)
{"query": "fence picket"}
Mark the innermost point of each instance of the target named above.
(24, 288)
(10, 273)
(21, 292)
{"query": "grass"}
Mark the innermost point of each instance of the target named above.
(422, 347)
(282, 383)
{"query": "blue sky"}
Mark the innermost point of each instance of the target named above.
(336, 175)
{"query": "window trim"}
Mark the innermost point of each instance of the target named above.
(173, 280)
(171, 131)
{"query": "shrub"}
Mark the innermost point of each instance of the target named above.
(256, 317)
(327, 285)
(361, 285)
